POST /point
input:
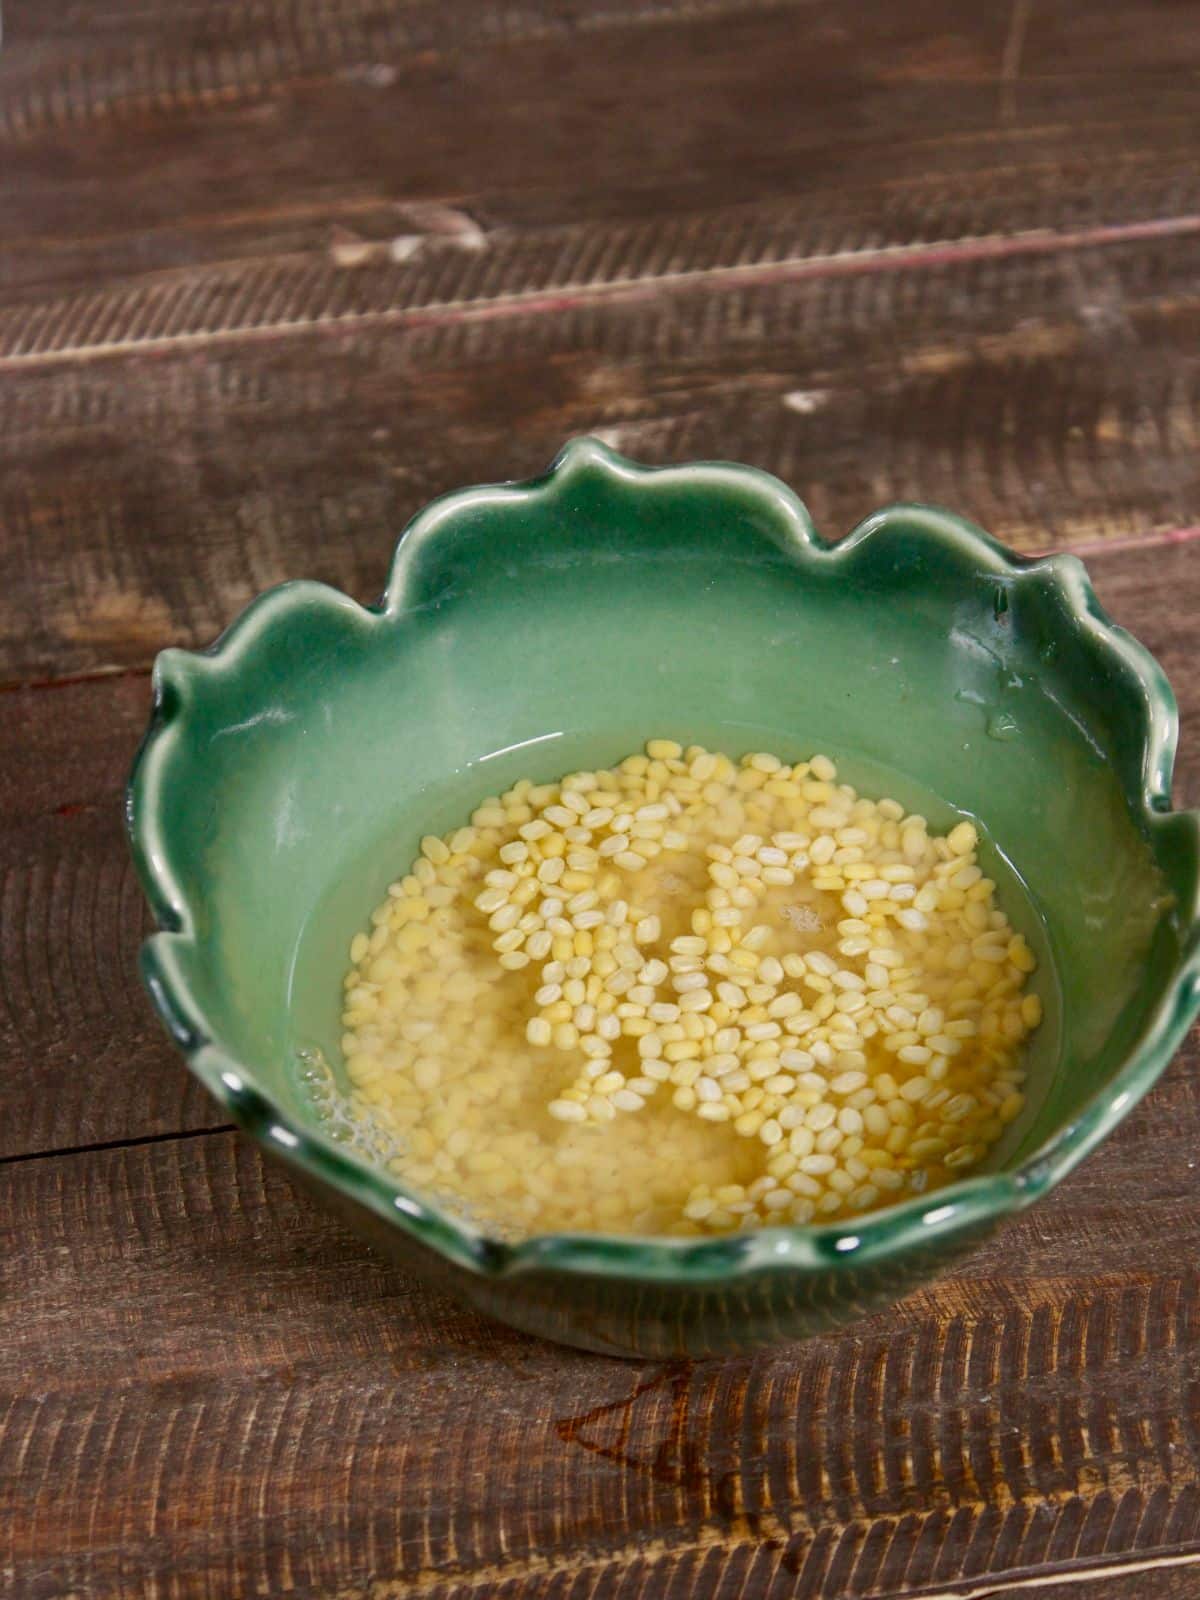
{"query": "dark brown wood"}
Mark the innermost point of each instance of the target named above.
(145, 498)
(272, 274)
(277, 122)
(270, 380)
(82, 1058)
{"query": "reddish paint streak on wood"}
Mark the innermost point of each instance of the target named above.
(859, 263)
(1147, 541)
(635, 291)
(70, 679)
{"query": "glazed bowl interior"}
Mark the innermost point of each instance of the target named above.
(530, 631)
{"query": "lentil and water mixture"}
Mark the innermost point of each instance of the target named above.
(687, 995)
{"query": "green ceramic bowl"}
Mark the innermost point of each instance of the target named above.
(531, 629)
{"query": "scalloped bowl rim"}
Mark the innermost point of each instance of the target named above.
(888, 1232)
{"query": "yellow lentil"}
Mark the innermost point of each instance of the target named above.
(828, 990)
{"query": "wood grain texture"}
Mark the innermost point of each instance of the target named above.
(895, 253)
(146, 497)
(82, 1059)
(281, 120)
(252, 1402)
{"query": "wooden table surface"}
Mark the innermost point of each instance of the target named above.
(274, 272)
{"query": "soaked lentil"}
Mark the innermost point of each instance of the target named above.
(687, 995)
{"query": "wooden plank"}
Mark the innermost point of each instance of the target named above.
(145, 497)
(252, 1403)
(1133, 586)
(326, 121)
(82, 1059)
(447, 270)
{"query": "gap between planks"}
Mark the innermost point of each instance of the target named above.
(132, 1143)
